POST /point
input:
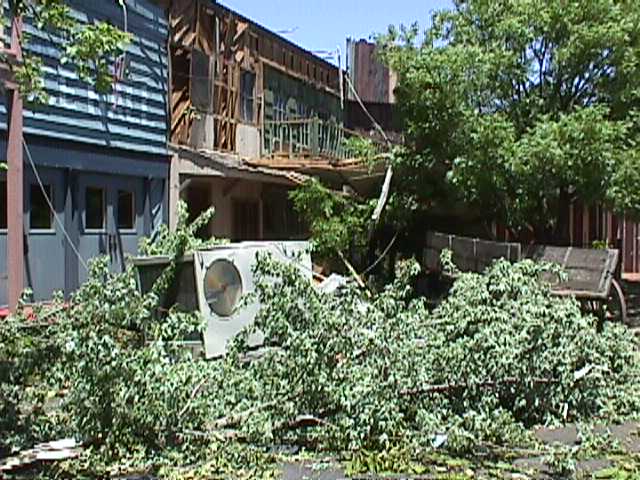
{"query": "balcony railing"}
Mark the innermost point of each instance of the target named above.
(310, 137)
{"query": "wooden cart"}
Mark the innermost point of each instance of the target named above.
(592, 274)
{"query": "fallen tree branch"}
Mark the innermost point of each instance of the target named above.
(448, 387)
(193, 395)
(234, 419)
(217, 435)
(353, 273)
(304, 421)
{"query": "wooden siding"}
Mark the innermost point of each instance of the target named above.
(68, 167)
(373, 80)
(134, 116)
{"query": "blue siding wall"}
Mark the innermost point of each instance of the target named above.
(134, 117)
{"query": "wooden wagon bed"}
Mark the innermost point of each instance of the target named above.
(591, 273)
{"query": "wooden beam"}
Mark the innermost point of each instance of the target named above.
(15, 184)
(292, 73)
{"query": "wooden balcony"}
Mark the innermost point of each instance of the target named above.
(312, 138)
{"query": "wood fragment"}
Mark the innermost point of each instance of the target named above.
(51, 451)
(353, 272)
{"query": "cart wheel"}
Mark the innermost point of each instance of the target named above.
(616, 305)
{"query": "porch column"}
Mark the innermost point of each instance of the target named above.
(15, 184)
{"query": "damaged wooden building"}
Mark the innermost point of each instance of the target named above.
(252, 116)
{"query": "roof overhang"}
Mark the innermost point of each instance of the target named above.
(206, 163)
(353, 172)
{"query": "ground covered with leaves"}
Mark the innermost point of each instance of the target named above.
(376, 380)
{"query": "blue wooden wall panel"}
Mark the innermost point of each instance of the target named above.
(46, 250)
(134, 116)
(49, 152)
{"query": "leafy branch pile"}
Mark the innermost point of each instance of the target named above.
(343, 372)
(500, 354)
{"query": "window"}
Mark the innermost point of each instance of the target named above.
(126, 211)
(247, 92)
(246, 220)
(40, 216)
(201, 81)
(3, 202)
(280, 220)
(94, 209)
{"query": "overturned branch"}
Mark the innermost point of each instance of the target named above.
(488, 384)
(235, 419)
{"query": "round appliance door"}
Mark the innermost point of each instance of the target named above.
(222, 287)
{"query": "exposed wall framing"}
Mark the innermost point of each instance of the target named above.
(233, 44)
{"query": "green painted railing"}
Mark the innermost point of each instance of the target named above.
(306, 137)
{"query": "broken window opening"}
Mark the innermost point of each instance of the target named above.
(201, 81)
(247, 96)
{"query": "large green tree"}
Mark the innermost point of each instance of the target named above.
(518, 107)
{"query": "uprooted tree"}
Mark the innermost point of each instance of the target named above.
(518, 107)
(341, 371)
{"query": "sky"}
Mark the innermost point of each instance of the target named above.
(323, 25)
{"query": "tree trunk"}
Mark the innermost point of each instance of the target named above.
(561, 235)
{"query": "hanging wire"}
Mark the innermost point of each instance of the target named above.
(51, 207)
(382, 255)
(386, 186)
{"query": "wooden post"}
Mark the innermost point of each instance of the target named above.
(174, 191)
(315, 137)
(15, 184)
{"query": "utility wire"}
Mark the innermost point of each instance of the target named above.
(51, 207)
(386, 186)
(382, 255)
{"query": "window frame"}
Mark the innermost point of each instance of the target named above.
(52, 198)
(103, 229)
(134, 219)
(201, 71)
(245, 99)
